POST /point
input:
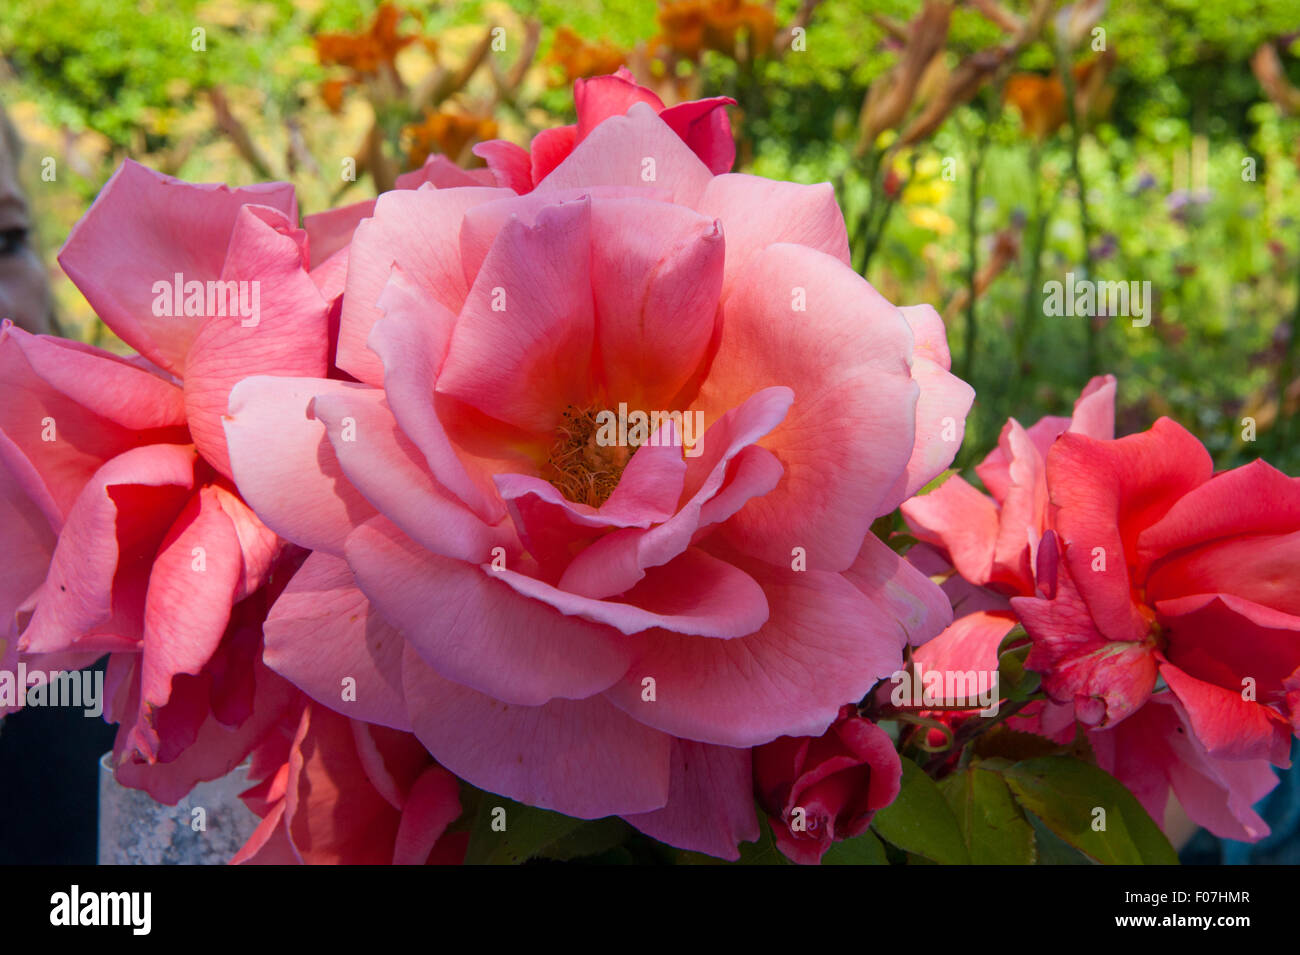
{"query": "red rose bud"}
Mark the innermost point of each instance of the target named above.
(820, 790)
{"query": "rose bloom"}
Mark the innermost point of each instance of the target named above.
(986, 545)
(126, 535)
(592, 628)
(820, 791)
(114, 476)
(1159, 559)
(335, 791)
(701, 124)
(1006, 552)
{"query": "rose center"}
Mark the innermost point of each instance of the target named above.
(585, 469)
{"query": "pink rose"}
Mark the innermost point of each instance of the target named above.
(110, 501)
(1010, 569)
(820, 791)
(992, 539)
(1159, 558)
(332, 230)
(335, 791)
(1156, 750)
(131, 539)
(557, 619)
(702, 125)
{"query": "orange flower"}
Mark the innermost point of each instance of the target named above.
(580, 59)
(730, 18)
(682, 24)
(331, 91)
(445, 132)
(367, 51)
(1040, 100)
(688, 27)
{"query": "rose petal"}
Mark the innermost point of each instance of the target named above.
(285, 466)
(143, 229)
(710, 801)
(516, 649)
(286, 335)
(579, 757)
(323, 631)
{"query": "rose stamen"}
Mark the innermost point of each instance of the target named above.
(584, 471)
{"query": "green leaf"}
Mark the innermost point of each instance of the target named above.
(1052, 849)
(593, 838)
(1004, 742)
(527, 832)
(1016, 640)
(764, 851)
(1015, 683)
(921, 821)
(993, 826)
(865, 849)
(900, 544)
(1065, 793)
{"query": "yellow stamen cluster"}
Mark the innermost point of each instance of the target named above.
(585, 471)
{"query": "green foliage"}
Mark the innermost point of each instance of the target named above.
(865, 849)
(993, 826)
(129, 70)
(528, 832)
(1051, 849)
(920, 820)
(594, 839)
(1069, 796)
(1049, 810)
(1015, 683)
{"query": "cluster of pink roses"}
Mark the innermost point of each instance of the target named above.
(370, 541)
(1159, 598)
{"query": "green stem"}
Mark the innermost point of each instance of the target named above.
(1286, 372)
(1085, 223)
(972, 248)
(883, 206)
(972, 729)
(1034, 258)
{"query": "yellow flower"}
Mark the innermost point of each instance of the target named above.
(931, 219)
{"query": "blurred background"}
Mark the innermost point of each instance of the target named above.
(980, 149)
